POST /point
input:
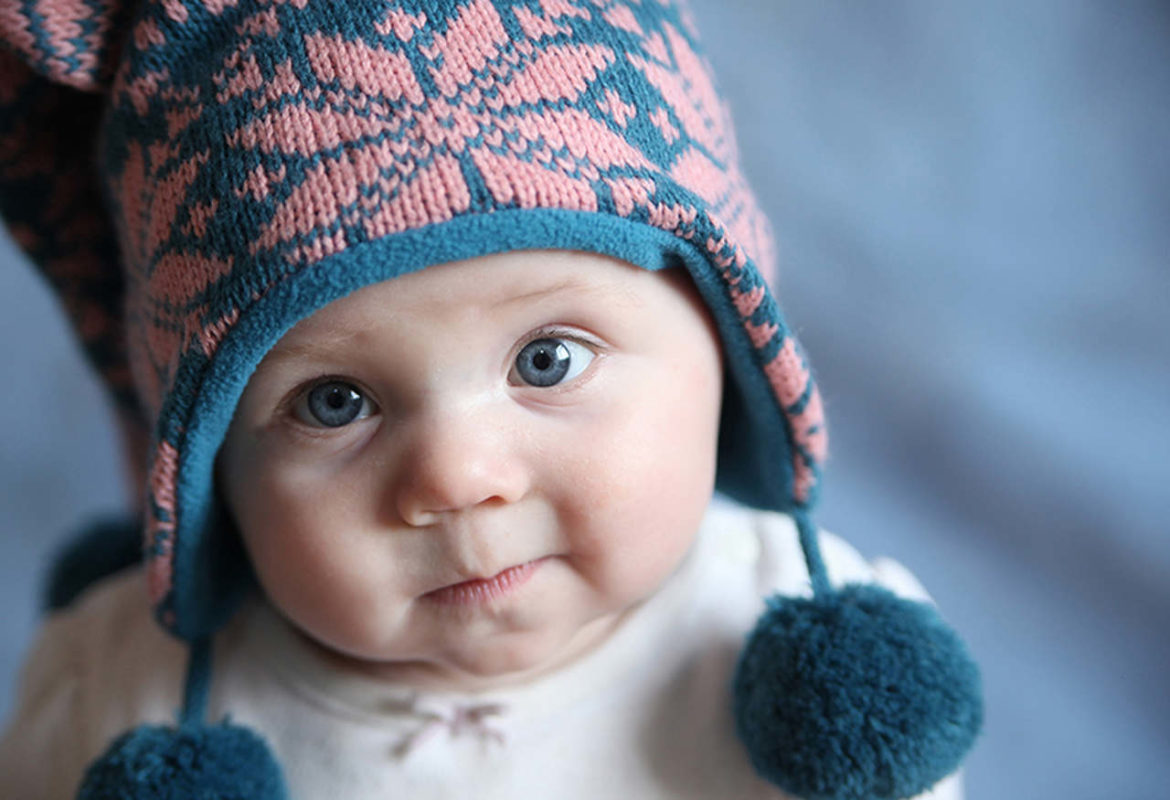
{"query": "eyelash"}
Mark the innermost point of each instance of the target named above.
(287, 407)
(556, 332)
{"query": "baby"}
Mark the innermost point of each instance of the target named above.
(469, 476)
(447, 319)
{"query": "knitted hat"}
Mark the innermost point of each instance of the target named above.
(242, 163)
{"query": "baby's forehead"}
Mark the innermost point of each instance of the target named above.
(491, 286)
(495, 294)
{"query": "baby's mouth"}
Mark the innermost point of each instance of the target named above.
(483, 590)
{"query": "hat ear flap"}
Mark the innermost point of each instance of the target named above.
(855, 693)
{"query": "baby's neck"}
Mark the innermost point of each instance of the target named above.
(430, 677)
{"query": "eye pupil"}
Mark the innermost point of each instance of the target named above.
(335, 404)
(544, 362)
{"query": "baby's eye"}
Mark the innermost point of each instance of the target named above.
(331, 405)
(549, 361)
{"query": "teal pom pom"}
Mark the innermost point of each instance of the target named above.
(219, 762)
(102, 548)
(855, 694)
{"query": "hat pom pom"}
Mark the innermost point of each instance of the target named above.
(220, 762)
(855, 693)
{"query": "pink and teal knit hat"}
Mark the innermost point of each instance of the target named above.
(258, 159)
(195, 176)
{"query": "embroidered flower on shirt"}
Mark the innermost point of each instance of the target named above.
(459, 720)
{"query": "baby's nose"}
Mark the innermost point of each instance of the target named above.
(457, 459)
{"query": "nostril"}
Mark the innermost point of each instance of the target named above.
(417, 517)
(454, 462)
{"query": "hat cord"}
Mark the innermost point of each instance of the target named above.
(810, 545)
(198, 683)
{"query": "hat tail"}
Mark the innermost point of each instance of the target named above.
(52, 205)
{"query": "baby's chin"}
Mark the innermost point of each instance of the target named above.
(498, 661)
(520, 658)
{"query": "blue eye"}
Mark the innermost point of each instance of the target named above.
(549, 361)
(332, 404)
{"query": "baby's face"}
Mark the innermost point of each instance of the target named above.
(470, 473)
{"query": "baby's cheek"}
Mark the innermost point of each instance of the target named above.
(645, 502)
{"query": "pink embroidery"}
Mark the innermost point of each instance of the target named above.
(147, 34)
(61, 26)
(661, 120)
(511, 180)
(561, 8)
(746, 303)
(557, 73)
(538, 27)
(240, 74)
(630, 193)
(473, 38)
(159, 531)
(19, 36)
(212, 334)
(463, 719)
(655, 47)
(285, 83)
(175, 10)
(323, 246)
(170, 192)
(790, 379)
(200, 213)
(179, 118)
(299, 129)
(671, 217)
(217, 6)
(178, 277)
(262, 22)
(622, 17)
(162, 477)
(788, 374)
(618, 109)
(434, 194)
(259, 182)
(695, 169)
(760, 335)
(142, 89)
(401, 24)
(356, 65)
(129, 192)
(810, 433)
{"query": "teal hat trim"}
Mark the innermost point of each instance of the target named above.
(209, 568)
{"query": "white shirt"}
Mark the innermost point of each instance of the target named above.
(645, 715)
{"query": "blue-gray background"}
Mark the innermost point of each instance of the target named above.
(973, 207)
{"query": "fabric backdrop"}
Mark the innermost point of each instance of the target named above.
(973, 206)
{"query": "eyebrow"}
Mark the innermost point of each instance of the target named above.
(281, 350)
(572, 284)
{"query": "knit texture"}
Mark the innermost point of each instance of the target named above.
(215, 762)
(242, 163)
(855, 694)
(260, 158)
